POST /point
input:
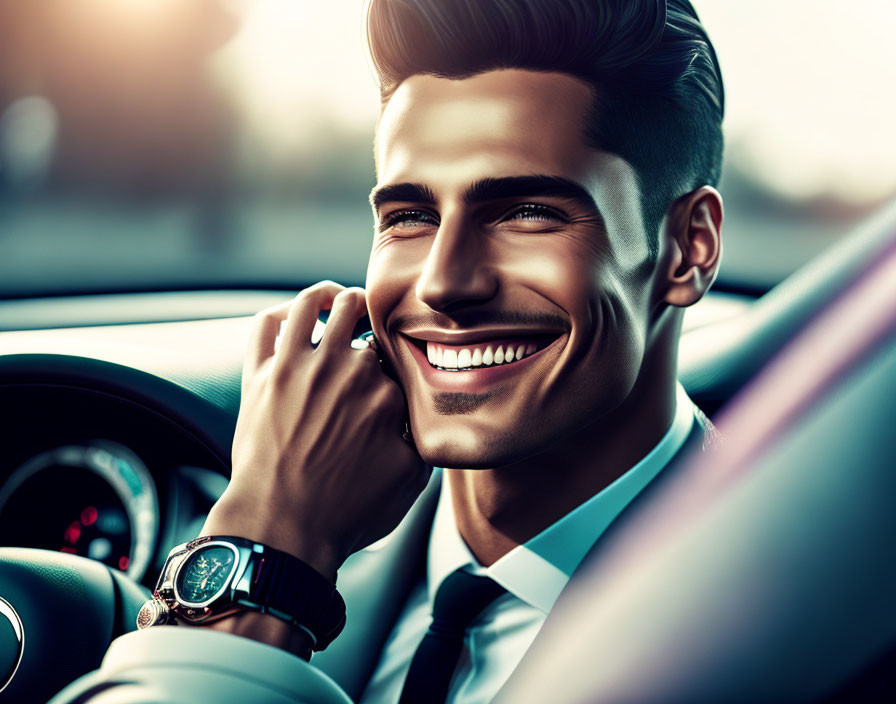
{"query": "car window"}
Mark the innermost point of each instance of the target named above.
(190, 144)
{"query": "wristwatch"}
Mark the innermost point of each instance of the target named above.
(212, 577)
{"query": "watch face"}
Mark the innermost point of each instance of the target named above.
(205, 573)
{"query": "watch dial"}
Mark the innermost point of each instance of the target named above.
(205, 572)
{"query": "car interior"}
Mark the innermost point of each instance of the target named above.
(96, 405)
(119, 402)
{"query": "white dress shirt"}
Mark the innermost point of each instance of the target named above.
(533, 574)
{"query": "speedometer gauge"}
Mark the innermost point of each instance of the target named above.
(96, 500)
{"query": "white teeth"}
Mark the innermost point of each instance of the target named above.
(466, 358)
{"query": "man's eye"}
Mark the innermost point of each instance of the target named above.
(535, 212)
(408, 219)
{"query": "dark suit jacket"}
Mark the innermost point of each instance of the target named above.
(376, 582)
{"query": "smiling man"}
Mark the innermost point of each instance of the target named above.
(544, 211)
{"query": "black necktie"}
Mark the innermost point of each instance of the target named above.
(460, 598)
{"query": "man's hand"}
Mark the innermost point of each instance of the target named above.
(320, 468)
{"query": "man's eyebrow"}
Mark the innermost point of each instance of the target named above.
(409, 192)
(528, 186)
(490, 189)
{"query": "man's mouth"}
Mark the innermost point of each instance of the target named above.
(477, 350)
(474, 361)
(486, 354)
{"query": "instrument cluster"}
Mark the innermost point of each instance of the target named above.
(102, 477)
(97, 500)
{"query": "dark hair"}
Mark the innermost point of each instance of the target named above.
(658, 90)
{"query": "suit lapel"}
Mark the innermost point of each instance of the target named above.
(703, 435)
(375, 584)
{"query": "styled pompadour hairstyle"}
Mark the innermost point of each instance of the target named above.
(659, 98)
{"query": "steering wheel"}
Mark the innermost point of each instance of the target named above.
(58, 614)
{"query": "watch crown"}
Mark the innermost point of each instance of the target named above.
(152, 613)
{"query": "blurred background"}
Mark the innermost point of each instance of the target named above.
(189, 144)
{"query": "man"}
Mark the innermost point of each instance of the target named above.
(544, 212)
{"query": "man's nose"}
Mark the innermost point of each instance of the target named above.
(458, 269)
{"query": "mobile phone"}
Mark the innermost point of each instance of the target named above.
(361, 336)
(361, 333)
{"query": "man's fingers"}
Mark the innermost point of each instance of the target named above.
(265, 329)
(348, 307)
(303, 316)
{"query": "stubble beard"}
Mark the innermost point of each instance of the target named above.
(450, 404)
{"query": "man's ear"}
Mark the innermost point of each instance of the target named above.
(694, 229)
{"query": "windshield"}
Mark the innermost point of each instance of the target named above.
(183, 144)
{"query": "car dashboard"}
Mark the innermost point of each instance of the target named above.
(96, 475)
(116, 435)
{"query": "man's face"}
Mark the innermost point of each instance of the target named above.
(501, 235)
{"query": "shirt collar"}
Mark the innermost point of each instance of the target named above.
(538, 570)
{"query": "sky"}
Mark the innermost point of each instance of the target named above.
(811, 108)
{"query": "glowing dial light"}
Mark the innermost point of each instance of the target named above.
(96, 500)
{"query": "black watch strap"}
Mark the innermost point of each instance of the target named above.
(283, 582)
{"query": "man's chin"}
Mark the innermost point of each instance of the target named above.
(464, 448)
